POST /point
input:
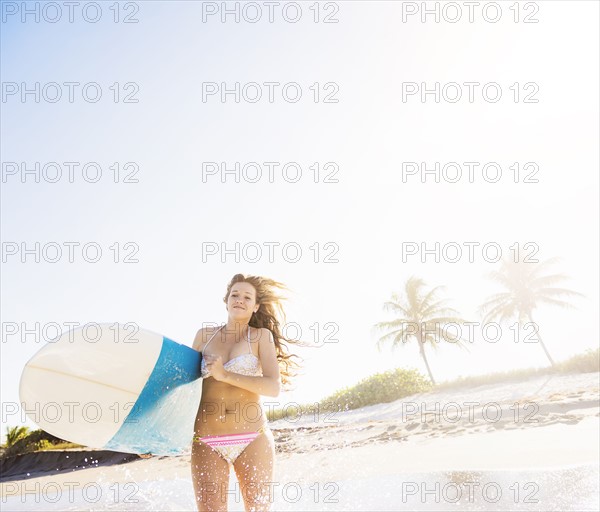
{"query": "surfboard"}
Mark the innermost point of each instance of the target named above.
(116, 387)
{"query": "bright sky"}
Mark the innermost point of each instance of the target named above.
(361, 221)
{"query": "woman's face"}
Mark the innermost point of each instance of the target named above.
(242, 300)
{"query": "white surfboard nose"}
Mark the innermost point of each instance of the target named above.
(82, 386)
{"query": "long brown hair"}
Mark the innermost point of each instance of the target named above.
(270, 315)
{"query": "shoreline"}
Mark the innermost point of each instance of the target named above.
(416, 452)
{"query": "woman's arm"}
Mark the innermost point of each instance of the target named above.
(198, 340)
(267, 385)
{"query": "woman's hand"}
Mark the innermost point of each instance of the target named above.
(215, 366)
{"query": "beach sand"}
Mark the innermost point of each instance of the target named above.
(531, 445)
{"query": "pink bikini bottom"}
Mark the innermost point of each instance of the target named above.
(230, 446)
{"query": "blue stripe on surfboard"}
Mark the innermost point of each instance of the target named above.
(157, 422)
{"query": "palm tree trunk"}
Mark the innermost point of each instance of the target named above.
(541, 342)
(424, 356)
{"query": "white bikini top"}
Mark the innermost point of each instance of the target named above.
(245, 364)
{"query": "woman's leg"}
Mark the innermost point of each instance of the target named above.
(210, 476)
(254, 470)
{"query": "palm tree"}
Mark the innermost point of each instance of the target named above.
(421, 316)
(527, 285)
(13, 434)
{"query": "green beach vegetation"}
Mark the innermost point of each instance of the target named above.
(21, 440)
(396, 384)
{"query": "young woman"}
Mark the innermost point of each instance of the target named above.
(241, 360)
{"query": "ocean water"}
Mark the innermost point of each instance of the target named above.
(550, 489)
